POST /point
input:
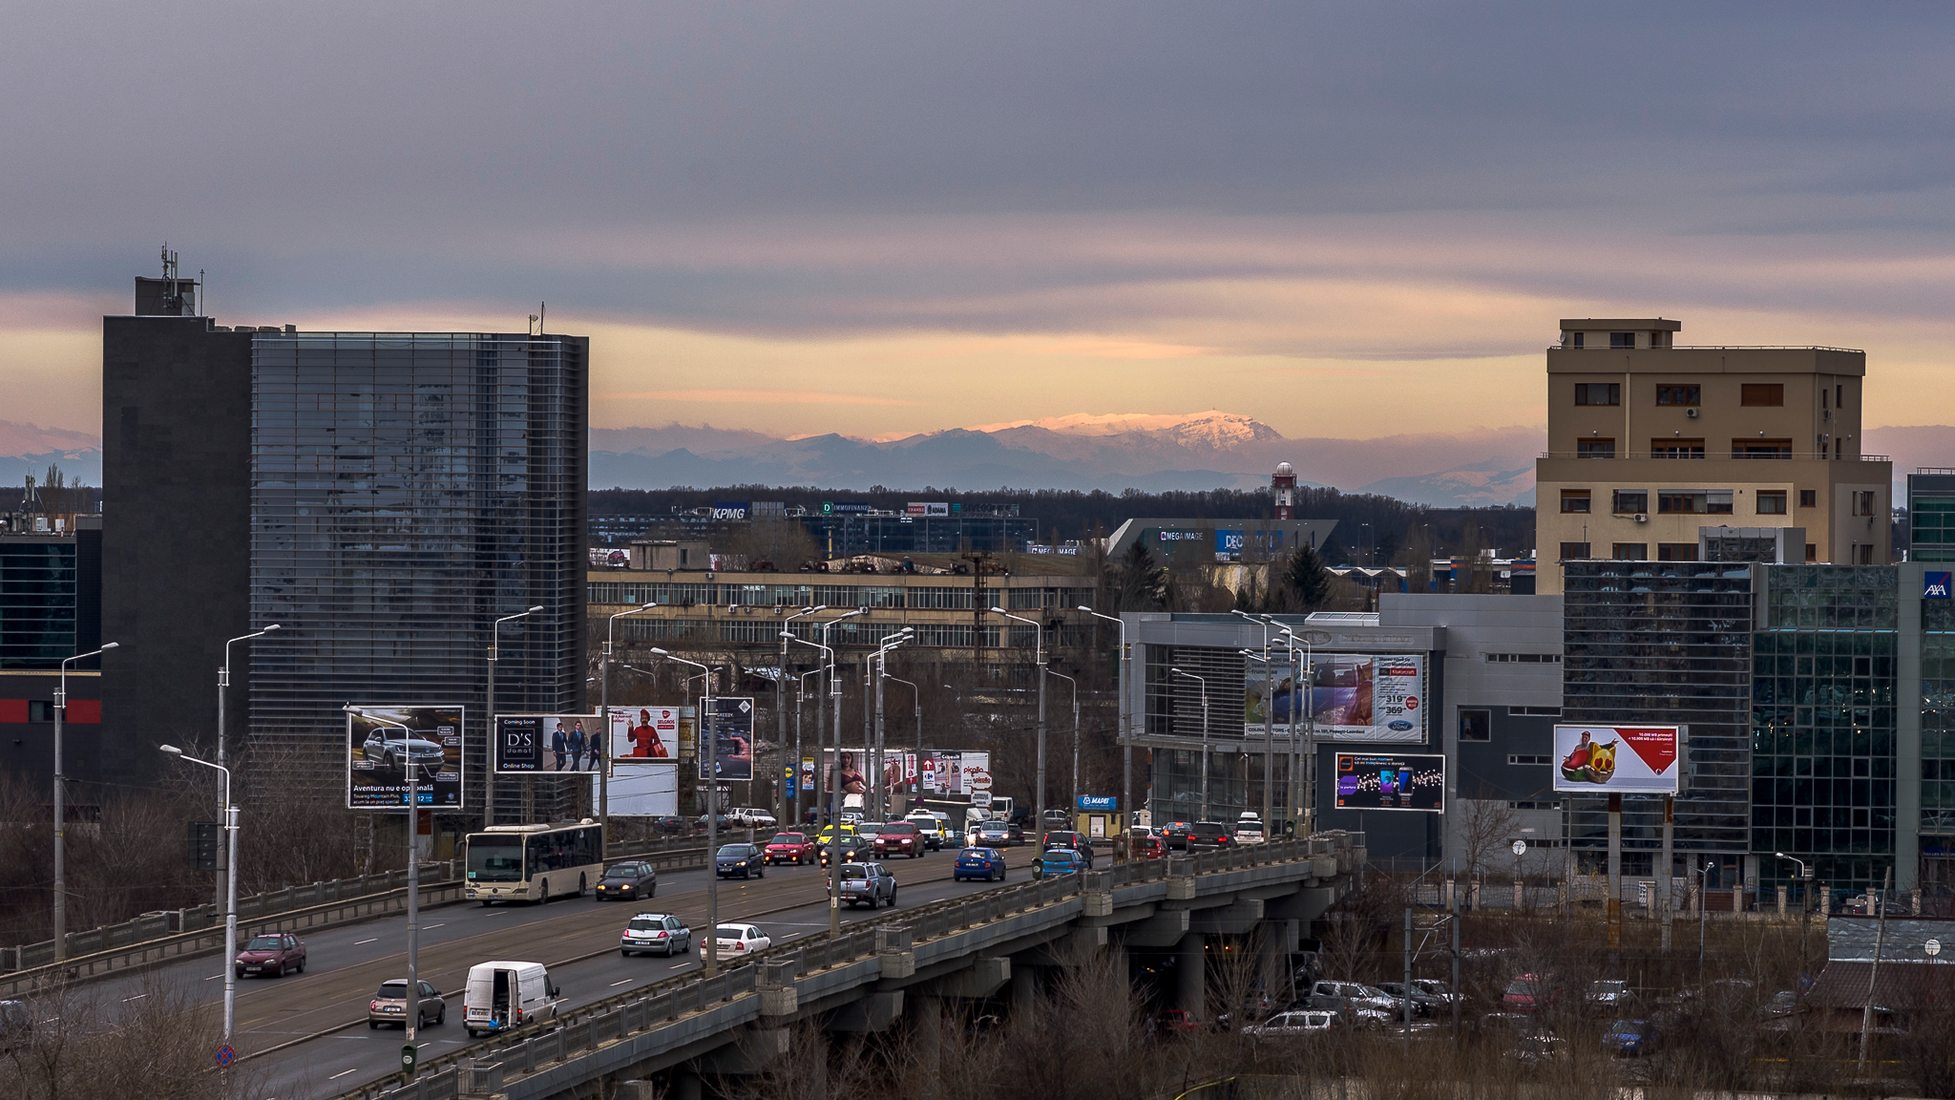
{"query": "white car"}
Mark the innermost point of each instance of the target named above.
(733, 941)
(1249, 830)
(754, 817)
(1293, 1023)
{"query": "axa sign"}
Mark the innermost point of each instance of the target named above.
(1934, 584)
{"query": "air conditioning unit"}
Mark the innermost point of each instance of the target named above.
(1642, 517)
(1691, 412)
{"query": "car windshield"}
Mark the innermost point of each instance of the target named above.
(725, 849)
(265, 943)
(395, 989)
(975, 853)
(779, 838)
(621, 870)
(902, 829)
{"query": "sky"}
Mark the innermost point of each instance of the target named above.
(1346, 219)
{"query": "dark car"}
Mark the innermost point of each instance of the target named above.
(271, 953)
(388, 1005)
(1016, 831)
(1210, 834)
(16, 1026)
(671, 825)
(1175, 835)
(1423, 1003)
(867, 883)
(627, 881)
(854, 849)
(1066, 838)
(1058, 861)
(984, 863)
(744, 860)
(899, 838)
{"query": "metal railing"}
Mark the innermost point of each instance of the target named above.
(1707, 455)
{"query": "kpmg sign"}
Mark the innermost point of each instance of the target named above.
(1934, 584)
(730, 509)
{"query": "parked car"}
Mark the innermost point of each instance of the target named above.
(1423, 1003)
(628, 881)
(16, 1026)
(1356, 1002)
(1059, 861)
(1296, 1022)
(388, 1005)
(854, 849)
(732, 941)
(931, 828)
(867, 883)
(1527, 993)
(1067, 838)
(396, 752)
(978, 862)
(753, 817)
(899, 838)
(1439, 991)
(1175, 833)
(995, 834)
(1249, 829)
(655, 933)
(1609, 994)
(789, 848)
(1630, 1038)
(273, 954)
(1176, 1021)
(744, 860)
(670, 825)
(1209, 834)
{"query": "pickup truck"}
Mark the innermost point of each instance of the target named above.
(869, 883)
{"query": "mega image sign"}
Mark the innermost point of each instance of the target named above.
(385, 745)
(1352, 697)
(1617, 759)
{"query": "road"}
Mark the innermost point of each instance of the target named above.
(303, 1035)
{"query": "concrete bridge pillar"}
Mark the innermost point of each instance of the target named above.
(929, 1034)
(1191, 975)
(685, 1085)
(1024, 989)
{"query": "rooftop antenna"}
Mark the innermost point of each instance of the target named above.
(539, 317)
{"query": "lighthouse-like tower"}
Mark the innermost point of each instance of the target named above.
(1283, 491)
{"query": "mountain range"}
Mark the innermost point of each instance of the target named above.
(1147, 452)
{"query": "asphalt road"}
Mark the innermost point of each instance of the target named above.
(322, 1012)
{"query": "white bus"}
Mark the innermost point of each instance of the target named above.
(534, 862)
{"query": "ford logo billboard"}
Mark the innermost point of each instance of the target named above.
(1399, 724)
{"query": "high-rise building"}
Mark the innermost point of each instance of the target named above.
(383, 497)
(1931, 515)
(1650, 444)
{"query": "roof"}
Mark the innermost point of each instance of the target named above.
(1900, 985)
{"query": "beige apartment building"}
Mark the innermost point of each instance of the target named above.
(1651, 445)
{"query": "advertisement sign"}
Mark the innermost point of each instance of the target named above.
(1934, 584)
(1617, 759)
(379, 752)
(1353, 697)
(1391, 781)
(730, 509)
(1228, 545)
(731, 727)
(643, 735)
(531, 744)
(1101, 803)
(642, 790)
(928, 508)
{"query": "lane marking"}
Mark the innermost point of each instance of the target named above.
(358, 943)
(622, 981)
(137, 997)
(432, 927)
(343, 1073)
(213, 977)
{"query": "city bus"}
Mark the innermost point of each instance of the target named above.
(534, 862)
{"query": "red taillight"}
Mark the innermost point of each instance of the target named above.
(739, 945)
(373, 1006)
(661, 935)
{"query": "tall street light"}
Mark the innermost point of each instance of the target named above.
(1269, 711)
(916, 703)
(1805, 902)
(230, 960)
(604, 713)
(878, 664)
(223, 682)
(489, 774)
(61, 806)
(1306, 682)
(787, 814)
(1072, 802)
(1202, 681)
(800, 788)
(814, 799)
(1038, 642)
(833, 796)
(709, 737)
(1126, 734)
(412, 770)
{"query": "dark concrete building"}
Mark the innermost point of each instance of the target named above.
(50, 609)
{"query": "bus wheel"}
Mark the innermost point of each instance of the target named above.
(583, 885)
(544, 886)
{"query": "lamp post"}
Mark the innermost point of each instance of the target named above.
(1805, 902)
(604, 712)
(1269, 713)
(916, 703)
(879, 664)
(1126, 733)
(489, 774)
(827, 788)
(61, 806)
(709, 741)
(230, 892)
(223, 682)
(789, 814)
(1703, 912)
(800, 696)
(814, 799)
(1038, 644)
(1074, 684)
(1203, 682)
(412, 770)
(1306, 683)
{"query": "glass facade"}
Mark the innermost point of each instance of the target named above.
(1824, 667)
(1931, 517)
(38, 601)
(407, 490)
(1664, 643)
(1938, 746)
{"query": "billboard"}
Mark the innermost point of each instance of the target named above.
(1617, 759)
(643, 735)
(533, 744)
(731, 726)
(1391, 781)
(648, 789)
(380, 752)
(1353, 697)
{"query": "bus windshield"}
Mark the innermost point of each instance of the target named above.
(495, 858)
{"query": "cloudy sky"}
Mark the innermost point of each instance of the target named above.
(1346, 219)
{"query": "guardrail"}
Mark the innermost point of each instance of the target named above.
(614, 1018)
(339, 907)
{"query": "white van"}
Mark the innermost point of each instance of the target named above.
(505, 995)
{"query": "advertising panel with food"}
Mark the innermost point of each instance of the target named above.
(1617, 759)
(383, 743)
(1352, 697)
(1391, 781)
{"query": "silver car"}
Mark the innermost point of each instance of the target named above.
(868, 883)
(397, 752)
(655, 933)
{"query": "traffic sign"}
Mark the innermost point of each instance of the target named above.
(1932, 947)
(981, 799)
(1520, 847)
(225, 1054)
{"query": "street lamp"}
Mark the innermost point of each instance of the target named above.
(916, 703)
(1203, 682)
(412, 770)
(1305, 682)
(223, 682)
(1805, 902)
(1038, 642)
(800, 697)
(828, 654)
(1126, 733)
(827, 788)
(788, 814)
(879, 665)
(1703, 912)
(1074, 801)
(1269, 714)
(489, 776)
(61, 806)
(709, 738)
(604, 709)
(230, 892)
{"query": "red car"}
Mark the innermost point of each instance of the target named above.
(1527, 993)
(899, 838)
(274, 953)
(1149, 847)
(1176, 1021)
(789, 848)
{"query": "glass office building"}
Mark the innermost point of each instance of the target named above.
(1931, 515)
(407, 489)
(39, 599)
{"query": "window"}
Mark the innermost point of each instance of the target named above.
(1863, 553)
(1523, 659)
(1676, 448)
(1763, 394)
(1535, 712)
(1630, 551)
(1717, 502)
(1578, 338)
(1622, 340)
(1598, 393)
(1676, 551)
(1574, 551)
(1761, 448)
(1475, 724)
(1681, 394)
(1863, 502)
(1595, 448)
(1839, 396)
(1812, 552)
(1808, 498)
(1525, 760)
(1574, 500)
(1681, 502)
(1771, 502)
(1629, 502)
